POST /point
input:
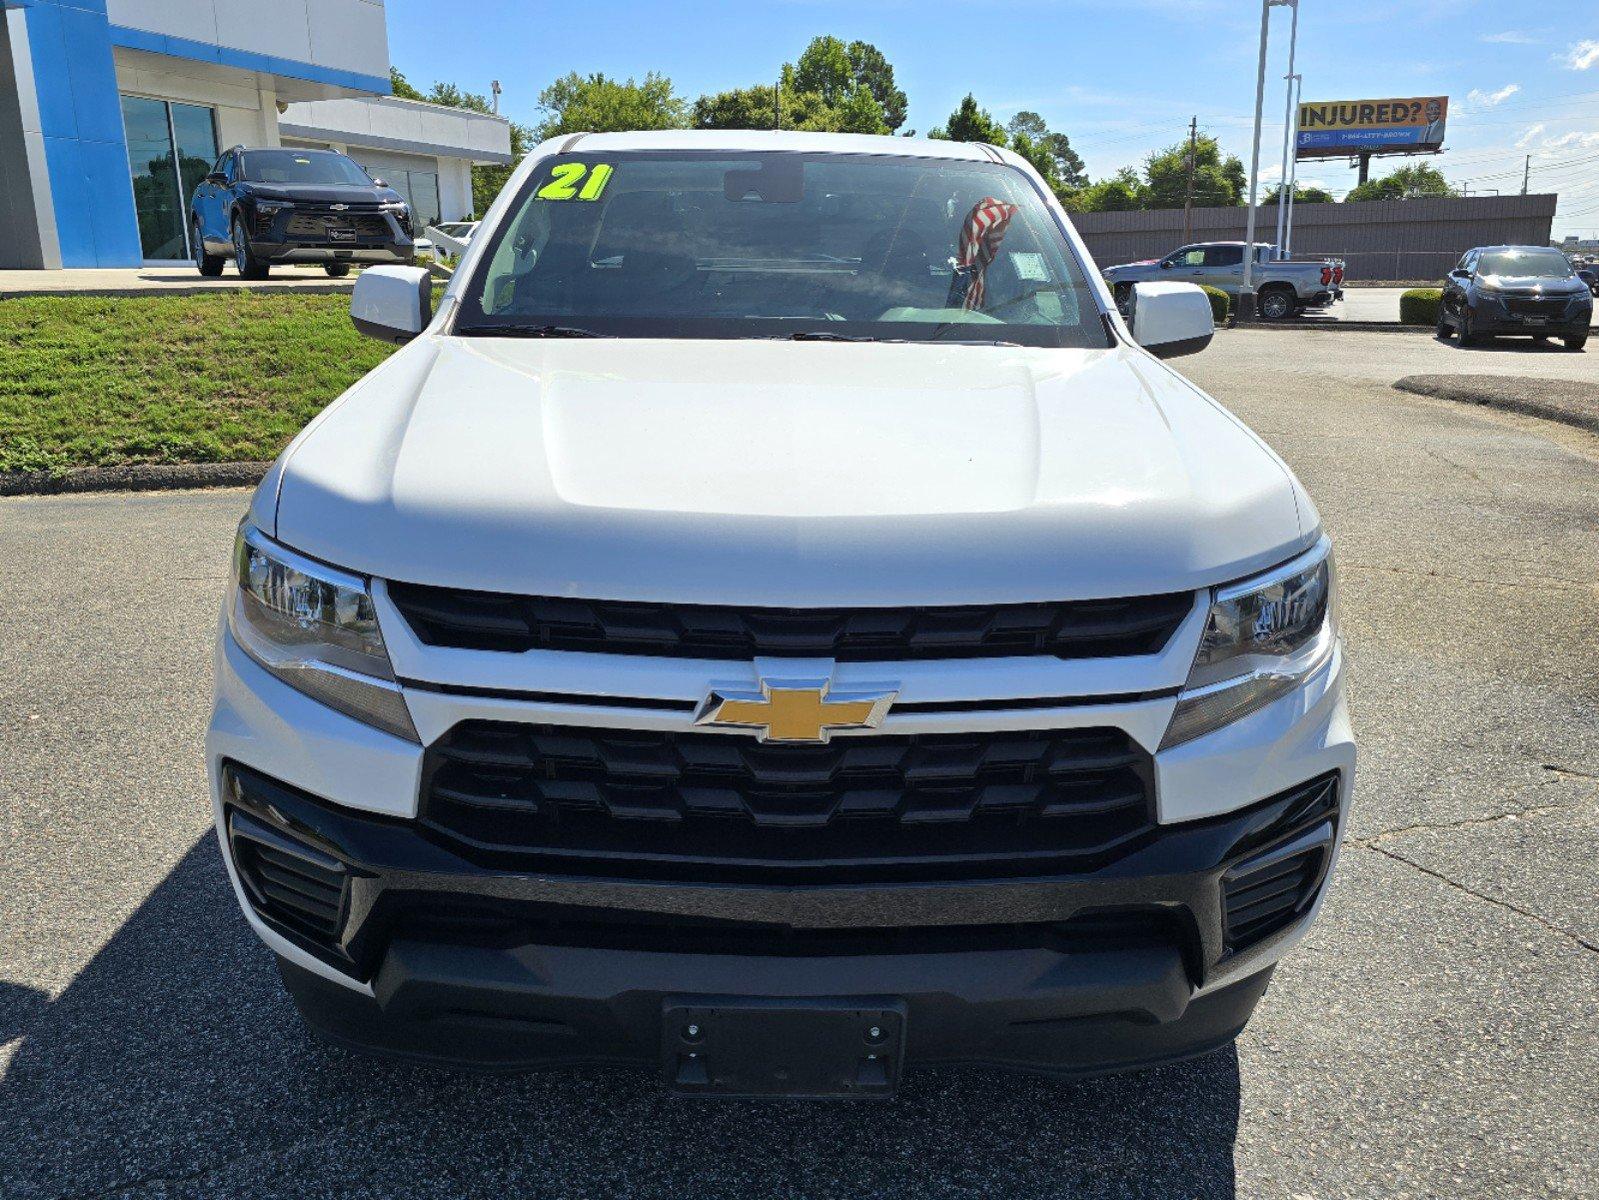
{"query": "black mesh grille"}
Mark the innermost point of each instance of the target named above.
(1537, 307)
(705, 805)
(303, 226)
(1073, 629)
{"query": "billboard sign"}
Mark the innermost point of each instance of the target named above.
(1339, 128)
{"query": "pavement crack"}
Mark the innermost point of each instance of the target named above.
(1464, 823)
(1569, 773)
(1462, 467)
(1591, 947)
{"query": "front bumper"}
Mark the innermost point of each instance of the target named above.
(438, 957)
(1495, 320)
(386, 252)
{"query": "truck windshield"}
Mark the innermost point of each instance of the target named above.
(1529, 264)
(298, 166)
(853, 246)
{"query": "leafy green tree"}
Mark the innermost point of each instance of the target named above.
(873, 72)
(823, 68)
(1122, 192)
(969, 123)
(599, 104)
(1302, 195)
(400, 86)
(1417, 179)
(1217, 181)
(1066, 166)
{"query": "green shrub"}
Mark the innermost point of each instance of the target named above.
(1419, 306)
(1220, 302)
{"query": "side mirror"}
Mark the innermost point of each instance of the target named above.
(1166, 264)
(216, 177)
(392, 304)
(376, 182)
(1171, 319)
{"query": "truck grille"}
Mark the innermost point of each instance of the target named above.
(716, 806)
(466, 620)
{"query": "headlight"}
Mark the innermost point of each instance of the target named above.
(315, 628)
(1264, 637)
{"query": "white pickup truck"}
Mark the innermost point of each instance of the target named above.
(775, 621)
(1283, 288)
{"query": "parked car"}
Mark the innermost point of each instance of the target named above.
(776, 621)
(1283, 288)
(1521, 290)
(1590, 276)
(268, 206)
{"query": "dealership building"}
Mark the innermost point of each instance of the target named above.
(111, 111)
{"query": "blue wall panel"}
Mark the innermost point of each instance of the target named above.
(80, 116)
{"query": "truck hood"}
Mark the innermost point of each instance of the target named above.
(779, 473)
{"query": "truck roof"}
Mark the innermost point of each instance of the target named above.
(765, 139)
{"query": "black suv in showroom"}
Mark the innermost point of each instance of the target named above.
(1526, 290)
(267, 206)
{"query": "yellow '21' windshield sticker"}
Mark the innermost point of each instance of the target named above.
(567, 182)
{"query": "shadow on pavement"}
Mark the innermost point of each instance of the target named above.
(174, 1064)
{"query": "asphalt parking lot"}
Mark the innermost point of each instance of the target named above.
(1437, 1035)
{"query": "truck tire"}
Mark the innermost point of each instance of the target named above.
(1576, 341)
(250, 267)
(1467, 337)
(1276, 303)
(336, 270)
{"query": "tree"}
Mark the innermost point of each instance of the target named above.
(1418, 179)
(1066, 167)
(1302, 195)
(873, 72)
(824, 68)
(1217, 181)
(599, 104)
(1122, 192)
(968, 123)
(400, 86)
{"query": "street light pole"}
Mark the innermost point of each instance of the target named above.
(1288, 134)
(1297, 83)
(1246, 294)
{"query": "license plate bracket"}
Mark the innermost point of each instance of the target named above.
(754, 1048)
(340, 233)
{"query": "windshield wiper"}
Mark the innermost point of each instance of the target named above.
(822, 335)
(528, 331)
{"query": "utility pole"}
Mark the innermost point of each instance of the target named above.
(1288, 133)
(1526, 175)
(494, 87)
(1246, 295)
(1188, 194)
(777, 104)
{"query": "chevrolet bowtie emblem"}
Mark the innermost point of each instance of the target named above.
(795, 710)
(338, 207)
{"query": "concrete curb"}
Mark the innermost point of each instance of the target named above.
(150, 477)
(1301, 325)
(1569, 401)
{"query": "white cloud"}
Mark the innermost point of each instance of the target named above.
(1581, 56)
(1511, 37)
(1480, 99)
(1565, 140)
(1526, 139)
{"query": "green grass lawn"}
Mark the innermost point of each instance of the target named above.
(222, 377)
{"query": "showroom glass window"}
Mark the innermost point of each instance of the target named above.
(170, 149)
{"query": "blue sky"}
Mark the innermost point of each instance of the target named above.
(1121, 77)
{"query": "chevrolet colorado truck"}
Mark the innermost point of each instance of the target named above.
(774, 621)
(1283, 288)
